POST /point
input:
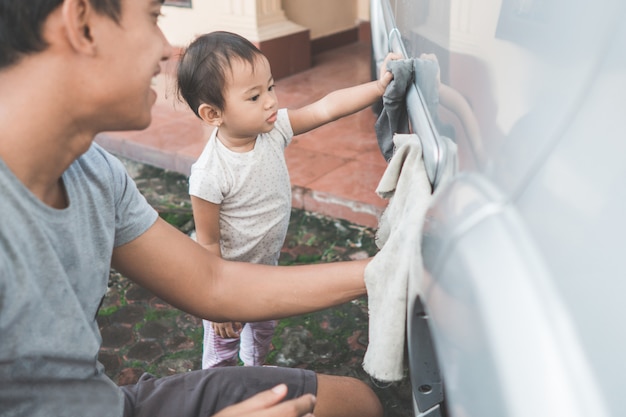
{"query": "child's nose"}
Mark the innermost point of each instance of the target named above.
(270, 102)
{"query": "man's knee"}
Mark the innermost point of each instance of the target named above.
(345, 396)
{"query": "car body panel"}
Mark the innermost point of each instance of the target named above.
(523, 248)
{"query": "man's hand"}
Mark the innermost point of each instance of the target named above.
(267, 404)
(228, 329)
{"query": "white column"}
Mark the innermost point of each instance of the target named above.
(257, 20)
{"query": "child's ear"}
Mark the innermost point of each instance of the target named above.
(210, 114)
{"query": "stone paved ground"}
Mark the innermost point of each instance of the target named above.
(142, 333)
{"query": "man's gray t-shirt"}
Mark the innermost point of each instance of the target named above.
(54, 270)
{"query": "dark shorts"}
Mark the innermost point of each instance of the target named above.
(205, 392)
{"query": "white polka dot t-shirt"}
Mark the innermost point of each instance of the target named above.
(254, 191)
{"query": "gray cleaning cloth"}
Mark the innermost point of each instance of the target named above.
(393, 118)
(395, 274)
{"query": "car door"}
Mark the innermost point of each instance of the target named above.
(518, 242)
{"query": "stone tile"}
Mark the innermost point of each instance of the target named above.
(153, 330)
(179, 343)
(111, 361)
(146, 351)
(116, 336)
(128, 315)
(354, 181)
(135, 293)
(129, 376)
(306, 166)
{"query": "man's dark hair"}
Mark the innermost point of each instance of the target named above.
(21, 23)
(203, 67)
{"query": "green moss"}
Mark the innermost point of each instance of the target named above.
(176, 219)
(154, 314)
(107, 311)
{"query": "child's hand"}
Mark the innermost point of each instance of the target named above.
(386, 76)
(227, 330)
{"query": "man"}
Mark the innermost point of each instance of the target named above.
(68, 70)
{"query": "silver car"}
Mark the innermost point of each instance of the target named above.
(521, 311)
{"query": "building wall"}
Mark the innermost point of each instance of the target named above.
(323, 18)
(181, 25)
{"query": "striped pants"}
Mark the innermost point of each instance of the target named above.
(252, 345)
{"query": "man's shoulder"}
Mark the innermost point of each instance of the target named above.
(96, 154)
(97, 164)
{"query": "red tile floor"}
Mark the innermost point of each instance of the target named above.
(334, 169)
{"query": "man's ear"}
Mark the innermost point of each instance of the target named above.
(210, 114)
(78, 16)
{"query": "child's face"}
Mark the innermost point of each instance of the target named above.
(250, 100)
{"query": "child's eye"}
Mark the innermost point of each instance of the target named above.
(272, 87)
(254, 98)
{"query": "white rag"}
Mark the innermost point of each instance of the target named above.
(406, 185)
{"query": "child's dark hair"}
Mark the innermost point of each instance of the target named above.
(203, 67)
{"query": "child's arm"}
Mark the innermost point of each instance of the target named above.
(340, 103)
(206, 216)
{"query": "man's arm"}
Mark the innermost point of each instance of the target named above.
(206, 216)
(180, 271)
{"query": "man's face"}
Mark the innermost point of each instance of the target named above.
(131, 52)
